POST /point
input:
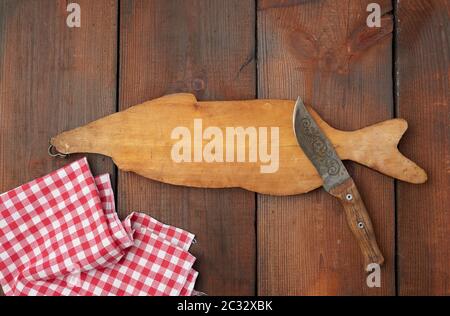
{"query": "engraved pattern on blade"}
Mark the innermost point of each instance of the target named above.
(318, 148)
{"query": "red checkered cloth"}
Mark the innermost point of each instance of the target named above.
(53, 225)
(120, 233)
(60, 235)
(176, 236)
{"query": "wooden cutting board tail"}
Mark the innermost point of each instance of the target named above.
(142, 139)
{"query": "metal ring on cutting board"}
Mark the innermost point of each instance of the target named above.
(52, 152)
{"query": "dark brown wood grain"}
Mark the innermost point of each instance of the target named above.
(323, 51)
(204, 47)
(422, 99)
(52, 78)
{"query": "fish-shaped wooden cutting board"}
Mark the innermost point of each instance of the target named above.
(219, 144)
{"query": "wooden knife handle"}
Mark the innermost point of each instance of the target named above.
(358, 220)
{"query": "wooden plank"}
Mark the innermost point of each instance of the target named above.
(422, 99)
(52, 78)
(324, 52)
(204, 47)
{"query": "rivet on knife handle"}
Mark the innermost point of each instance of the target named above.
(358, 220)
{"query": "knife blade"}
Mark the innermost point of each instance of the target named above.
(336, 180)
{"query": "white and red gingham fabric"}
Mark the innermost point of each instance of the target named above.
(60, 235)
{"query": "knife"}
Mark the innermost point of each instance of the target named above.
(336, 180)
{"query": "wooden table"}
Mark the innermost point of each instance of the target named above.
(54, 78)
